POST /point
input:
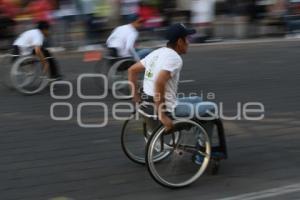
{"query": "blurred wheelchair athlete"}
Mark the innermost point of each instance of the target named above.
(30, 65)
(120, 54)
(32, 42)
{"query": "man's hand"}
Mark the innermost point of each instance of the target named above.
(39, 53)
(159, 98)
(167, 122)
(136, 99)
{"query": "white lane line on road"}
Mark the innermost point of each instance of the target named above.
(267, 193)
(186, 81)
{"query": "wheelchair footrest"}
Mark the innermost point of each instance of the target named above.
(218, 154)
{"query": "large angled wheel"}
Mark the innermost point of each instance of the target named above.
(118, 78)
(179, 168)
(134, 138)
(6, 62)
(102, 67)
(27, 75)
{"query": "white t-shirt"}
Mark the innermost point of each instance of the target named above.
(123, 38)
(163, 59)
(28, 40)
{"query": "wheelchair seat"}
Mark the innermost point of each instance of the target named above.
(128, 61)
(112, 55)
(148, 110)
(115, 59)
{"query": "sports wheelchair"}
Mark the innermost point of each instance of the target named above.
(170, 156)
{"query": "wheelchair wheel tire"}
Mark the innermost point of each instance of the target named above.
(179, 169)
(118, 79)
(27, 76)
(5, 68)
(134, 138)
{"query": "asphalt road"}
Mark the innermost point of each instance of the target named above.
(42, 159)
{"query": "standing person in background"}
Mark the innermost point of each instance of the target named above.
(129, 8)
(67, 15)
(40, 10)
(95, 15)
(87, 14)
(292, 19)
(151, 16)
(203, 16)
(8, 11)
(241, 19)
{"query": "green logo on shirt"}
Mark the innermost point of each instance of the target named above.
(149, 74)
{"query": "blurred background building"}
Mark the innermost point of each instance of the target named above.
(81, 22)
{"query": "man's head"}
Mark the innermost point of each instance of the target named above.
(44, 27)
(136, 21)
(177, 37)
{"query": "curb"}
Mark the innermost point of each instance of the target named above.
(248, 41)
(157, 44)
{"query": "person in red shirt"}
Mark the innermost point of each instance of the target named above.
(40, 10)
(151, 16)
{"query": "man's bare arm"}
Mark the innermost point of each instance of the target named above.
(160, 86)
(41, 56)
(133, 73)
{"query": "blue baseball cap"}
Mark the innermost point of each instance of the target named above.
(178, 30)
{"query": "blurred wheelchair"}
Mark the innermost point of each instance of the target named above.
(170, 157)
(115, 70)
(23, 73)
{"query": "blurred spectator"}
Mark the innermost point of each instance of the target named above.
(151, 16)
(242, 17)
(87, 13)
(95, 14)
(9, 8)
(8, 11)
(103, 8)
(67, 9)
(278, 8)
(292, 18)
(276, 12)
(66, 15)
(128, 8)
(40, 10)
(203, 16)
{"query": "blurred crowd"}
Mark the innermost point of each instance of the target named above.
(81, 22)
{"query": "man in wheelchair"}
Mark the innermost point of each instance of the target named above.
(162, 71)
(32, 42)
(121, 42)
